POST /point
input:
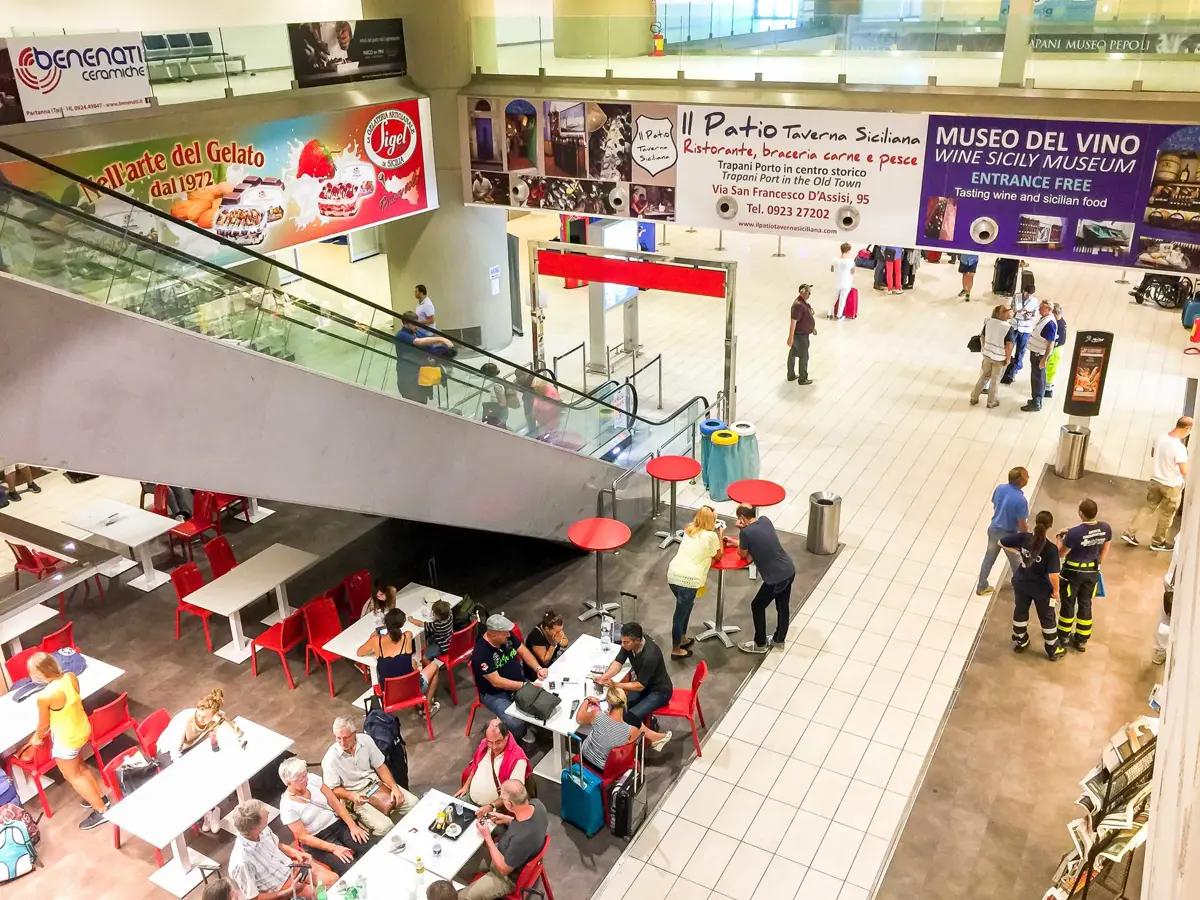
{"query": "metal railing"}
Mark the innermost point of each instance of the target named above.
(632, 377)
(581, 347)
(640, 465)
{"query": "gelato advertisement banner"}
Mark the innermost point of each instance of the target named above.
(1118, 193)
(265, 187)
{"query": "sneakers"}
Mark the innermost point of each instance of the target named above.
(1080, 646)
(1161, 546)
(776, 642)
(529, 737)
(751, 647)
(791, 377)
(433, 708)
(984, 591)
(1020, 646)
(963, 293)
(657, 746)
(92, 820)
(992, 405)
(966, 297)
(1130, 539)
(212, 820)
(974, 401)
(1159, 657)
(14, 496)
(1031, 407)
(805, 381)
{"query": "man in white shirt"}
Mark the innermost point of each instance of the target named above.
(355, 770)
(1025, 316)
(1041, 342)
(843, 281)
(1166, 486)
(425, 310)
(997, 346)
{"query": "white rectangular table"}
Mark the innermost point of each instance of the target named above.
(393, 874)
(123, 525)
(569, 675)
(410, 599)
(13, 627)
(18, 720)
(243, 584)
(162, 810)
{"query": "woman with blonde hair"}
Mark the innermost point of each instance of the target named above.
(190, 727)
(700, 547)
(61, 716)
(610, 730)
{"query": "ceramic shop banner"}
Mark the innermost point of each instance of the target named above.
(570, 156)
(820, 173)
(270, 186)
(1105, 192)
(79, 74)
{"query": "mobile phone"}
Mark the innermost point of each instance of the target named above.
(372, 790)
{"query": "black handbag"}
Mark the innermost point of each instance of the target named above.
(536, 701)
(975, 344)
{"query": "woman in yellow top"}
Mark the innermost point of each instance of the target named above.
(62, 716)
(701, 546)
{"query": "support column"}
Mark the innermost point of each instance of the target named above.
(1017, 29)
(603, 29)
(455, 249)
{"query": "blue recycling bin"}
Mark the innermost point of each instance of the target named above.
(723, 463)
(707, 427)
(749, 463)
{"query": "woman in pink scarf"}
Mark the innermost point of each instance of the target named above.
(497, 759)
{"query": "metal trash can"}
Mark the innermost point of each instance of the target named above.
(1072, 451)
(824, 522)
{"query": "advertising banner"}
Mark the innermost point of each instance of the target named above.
(267, 186)
(800, 171)
(10, 99)
(1103, 192)
(1089, 371)
(571, 156)
(339, 52)
(79, 74)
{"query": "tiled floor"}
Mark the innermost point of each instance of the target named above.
(803, 786)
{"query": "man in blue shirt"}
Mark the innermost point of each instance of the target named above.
(498, 663)
(1010, 515)
(409, 361)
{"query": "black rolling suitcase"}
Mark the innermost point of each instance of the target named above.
(627, 800)
(1027, 284)
(1004, 276)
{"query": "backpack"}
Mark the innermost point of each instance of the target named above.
(17, 856)
(8, 791)
(384, 729)
(466, 610)
(14, 812)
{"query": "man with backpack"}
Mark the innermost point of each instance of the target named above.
(355, 769)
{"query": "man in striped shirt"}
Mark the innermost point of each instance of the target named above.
(261, 867)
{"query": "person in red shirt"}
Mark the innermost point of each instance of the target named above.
(801, 327)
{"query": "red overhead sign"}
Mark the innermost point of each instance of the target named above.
(660, 276)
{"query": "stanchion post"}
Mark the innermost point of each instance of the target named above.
(1122, 279)
(664, 242)
(720, 240)
(779, 246)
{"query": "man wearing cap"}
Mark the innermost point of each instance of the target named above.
(498, 664)
(802, 325)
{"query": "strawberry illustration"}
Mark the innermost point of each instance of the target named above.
(315, 161)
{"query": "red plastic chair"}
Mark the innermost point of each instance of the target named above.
(109, 773)
(220, 556)
(203, 520)
(462, 643)
(35, 562)
(187, 579)
(321, 623)
(17, 665)
(109, 722)
(160, 507)
(225, 502)
(620, 760)
(358, 592)
(533, 871)
(57, 640)
(280, 637)
(475, 704)
(405, 693)
(685, 704)
(35, 768)
(151, 729)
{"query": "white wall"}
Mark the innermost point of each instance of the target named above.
(150, 15)
(518, 21)
(264, 46)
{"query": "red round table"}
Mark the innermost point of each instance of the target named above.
(598, 536)
(717, 627)
(673, 469)
(756, 492)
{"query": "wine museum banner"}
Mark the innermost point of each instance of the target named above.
(266, 187)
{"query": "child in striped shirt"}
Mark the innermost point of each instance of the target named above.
(438, 632)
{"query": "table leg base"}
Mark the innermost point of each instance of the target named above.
(669, 538)
(594, 609)
(362, 698)
(233, 652)
(173, 879)
(275, 617)
(156, 579)
(258, 513)
(720, 632)
(550, 768)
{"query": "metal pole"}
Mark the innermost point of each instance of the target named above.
(720, 240)
(599, 572)
(1122, 279)
(536, 316)
(690, 230)
(660, 394)
(779, 247)
(664, 242)
(730, 344)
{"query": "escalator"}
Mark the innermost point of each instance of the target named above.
(126, 350)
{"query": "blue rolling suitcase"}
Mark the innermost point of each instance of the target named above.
(1191, 310)
(582, 799)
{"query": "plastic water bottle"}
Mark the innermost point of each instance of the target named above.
(420, 866)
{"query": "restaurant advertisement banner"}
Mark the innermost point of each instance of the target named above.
(345, 51)
(266, 187)
(79, 74)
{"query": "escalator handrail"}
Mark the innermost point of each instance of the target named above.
(209, 235)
